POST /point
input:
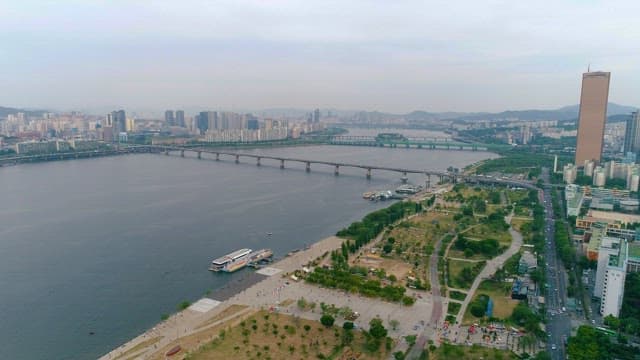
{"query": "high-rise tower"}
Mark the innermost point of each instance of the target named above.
(169, 118)
(180, 118)
(592, 116)
(632, 134)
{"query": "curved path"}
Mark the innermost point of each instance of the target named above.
(492, 266)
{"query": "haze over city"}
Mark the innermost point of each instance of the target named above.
(252, 55)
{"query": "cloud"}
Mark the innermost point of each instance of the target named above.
(394, 56)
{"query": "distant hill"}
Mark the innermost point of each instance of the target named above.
(612, 109)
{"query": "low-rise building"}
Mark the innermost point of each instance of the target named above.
(574, 198)
(42, 147)
(527, 262)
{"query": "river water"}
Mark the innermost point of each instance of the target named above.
(93, 252)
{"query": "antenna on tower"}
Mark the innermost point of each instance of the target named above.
(589, 67)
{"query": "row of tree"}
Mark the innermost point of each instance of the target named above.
(351, 280)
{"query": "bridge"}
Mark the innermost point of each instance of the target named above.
(442, 176)
(200, 153)
(18, 159)
(433, 143)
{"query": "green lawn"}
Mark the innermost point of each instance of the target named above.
(500, 294)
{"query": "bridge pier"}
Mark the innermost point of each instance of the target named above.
(336, 171)
(368, 173)
(404, 178)
(237, 159)
(281, 163)
(308, 167)
(199, 154)
(182, 153)
(257, 161)
(217, 156)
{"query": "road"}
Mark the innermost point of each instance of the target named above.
(559, 322)
(436, 310)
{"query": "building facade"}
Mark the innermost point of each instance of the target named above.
(592, 116)
(632, 134)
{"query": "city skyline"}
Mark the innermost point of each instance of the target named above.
(250, 55)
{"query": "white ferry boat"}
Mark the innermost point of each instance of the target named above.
(239, 259)
(225, 263)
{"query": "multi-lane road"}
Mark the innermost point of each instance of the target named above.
(558, 320)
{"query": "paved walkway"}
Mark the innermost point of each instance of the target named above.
(492, 266)
(436, 311)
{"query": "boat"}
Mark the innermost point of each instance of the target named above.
(368, 195)
(269, 233)
(239, 259)
(408, 189)
(259, 258)
(222, 263)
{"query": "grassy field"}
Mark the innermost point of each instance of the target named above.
(277, 336)
(412, 242)
(455, 268)
(457, 295)
(517, 223)
(500, 293)
(459, 352)
(483, 231)
(453, 308)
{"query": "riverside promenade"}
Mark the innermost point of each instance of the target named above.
(194, 320)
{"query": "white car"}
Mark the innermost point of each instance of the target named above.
(553, 347)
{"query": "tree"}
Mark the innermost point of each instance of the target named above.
(376, 329)
(348, 325)
(183, 305)
(347, 336)
(612, 321)
(327, 320)
(542, 355)
(302, 303)
(394, 324)
(387, 248)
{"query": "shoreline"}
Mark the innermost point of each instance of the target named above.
(188, 322)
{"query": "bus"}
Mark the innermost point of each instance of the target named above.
(606, 331)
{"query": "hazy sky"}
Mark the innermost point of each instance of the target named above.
(375, 55)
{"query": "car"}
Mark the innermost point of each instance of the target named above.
(553, 347)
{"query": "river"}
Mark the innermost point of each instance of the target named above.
(93, 252)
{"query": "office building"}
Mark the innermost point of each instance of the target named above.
(632, 134)
(202, 122)
(119, 122)
(169, 118)
(592, 116)
(252, 122)
(316, 115)
(180, 118)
